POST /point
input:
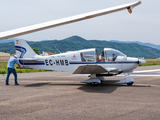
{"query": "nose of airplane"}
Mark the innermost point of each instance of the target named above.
(141, 62)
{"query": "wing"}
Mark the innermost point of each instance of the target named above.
(55, 23)
(93, 69)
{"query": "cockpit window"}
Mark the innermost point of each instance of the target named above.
(111, 55)
(89, 56)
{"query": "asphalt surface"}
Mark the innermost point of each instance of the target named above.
(61, 96)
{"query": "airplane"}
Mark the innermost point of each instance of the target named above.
(79, 62)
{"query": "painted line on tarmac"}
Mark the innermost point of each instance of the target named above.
(142, 75)
(143, 71)
(148, 85)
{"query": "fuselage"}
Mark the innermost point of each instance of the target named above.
(70, 61)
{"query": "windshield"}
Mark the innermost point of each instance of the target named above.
(111, 55)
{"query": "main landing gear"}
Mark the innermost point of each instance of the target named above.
(95, 80)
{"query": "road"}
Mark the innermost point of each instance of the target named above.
(61, 96)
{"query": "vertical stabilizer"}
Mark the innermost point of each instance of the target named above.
(23, 50)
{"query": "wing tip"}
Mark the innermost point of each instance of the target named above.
(131, 7)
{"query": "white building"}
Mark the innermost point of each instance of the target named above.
(47, 53)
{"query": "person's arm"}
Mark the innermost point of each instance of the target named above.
(19, 66)
(16, 61)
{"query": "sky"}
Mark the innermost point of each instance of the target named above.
(142, 25)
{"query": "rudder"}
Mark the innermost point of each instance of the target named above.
(23, 50)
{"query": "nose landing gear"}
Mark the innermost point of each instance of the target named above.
(130, 84)
(128, 80)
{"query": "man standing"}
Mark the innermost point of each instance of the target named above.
(11, 69)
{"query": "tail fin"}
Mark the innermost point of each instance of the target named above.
(23, 50)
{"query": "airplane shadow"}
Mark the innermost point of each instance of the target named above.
(37, 85)
(51, 84)
(107, 86)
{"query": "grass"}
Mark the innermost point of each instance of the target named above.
(3, 69)
(150, 62)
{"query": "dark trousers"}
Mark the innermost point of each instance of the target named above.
(9, 71)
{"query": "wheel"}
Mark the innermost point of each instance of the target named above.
(129, 84)
(94, 84)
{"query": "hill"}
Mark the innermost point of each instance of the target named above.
(77, 43)
(7, 40)
(146, 44)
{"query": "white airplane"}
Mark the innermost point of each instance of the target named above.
(79, 62)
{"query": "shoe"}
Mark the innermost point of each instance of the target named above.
(17, 84)
(7, 84)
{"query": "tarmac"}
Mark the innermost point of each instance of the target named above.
(61, 96)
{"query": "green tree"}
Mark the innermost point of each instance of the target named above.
(36, 50)
(5, 51)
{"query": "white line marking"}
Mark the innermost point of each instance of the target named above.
(143, 71)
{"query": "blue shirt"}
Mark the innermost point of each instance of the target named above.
(11, 62)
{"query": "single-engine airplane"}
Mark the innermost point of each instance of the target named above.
(79, 62)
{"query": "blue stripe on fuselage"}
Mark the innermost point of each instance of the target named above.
(72, 63)
(21, 62)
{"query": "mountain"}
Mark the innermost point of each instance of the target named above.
(149, 45)
(8, 40)
(115, 41)
(77, 43)
(146, 44)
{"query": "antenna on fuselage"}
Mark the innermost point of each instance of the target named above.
(57, 49)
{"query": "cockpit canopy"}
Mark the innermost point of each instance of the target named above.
(91, 55)
(113, 55)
